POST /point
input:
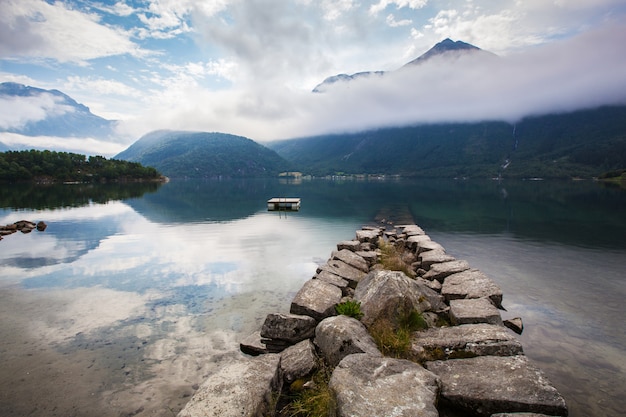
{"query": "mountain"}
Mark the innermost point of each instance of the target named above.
(64, 117)
(579, 144)
(445, 47)
(179, 154)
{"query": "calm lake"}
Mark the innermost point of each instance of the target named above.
(135, 294)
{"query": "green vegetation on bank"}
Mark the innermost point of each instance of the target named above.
(50, 166)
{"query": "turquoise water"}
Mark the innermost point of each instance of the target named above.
(133, 295)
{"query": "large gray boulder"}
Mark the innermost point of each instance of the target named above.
(471, 284)
(444, 269)
(474, 310)
(486, 385)
(291, 328)
(351, 259)
(387, 295)
(316, 299)
(371, 386)
(339, 336)
(298, 361)
(413, 242)
(241, 388)
(463, 341)
(343, 270)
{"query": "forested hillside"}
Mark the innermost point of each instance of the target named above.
(50, 166)
(204, 155)
(580, 144)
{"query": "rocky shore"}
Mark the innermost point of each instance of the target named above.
(462, 359)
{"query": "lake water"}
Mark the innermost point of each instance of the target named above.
(134, 295)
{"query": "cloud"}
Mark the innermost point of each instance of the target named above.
(383, 4)
(19, 111)
(582, 72)
(85, 146)
(40, 30)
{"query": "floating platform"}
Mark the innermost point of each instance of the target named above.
(283, 204)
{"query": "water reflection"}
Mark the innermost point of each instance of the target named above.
(149, 295)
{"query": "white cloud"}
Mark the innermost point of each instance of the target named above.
(88, 146)
(37, 29)
(18, 111)
(383, 4)
(391, 21)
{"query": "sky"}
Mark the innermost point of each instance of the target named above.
(247, 67)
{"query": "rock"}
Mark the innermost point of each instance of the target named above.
(463, 341)
(241, 388)
(371, 257)
(291, 328)
(433, 257)
(444, 269)
(372, 386)
(298, 361)
(339, 336)
(351, 259)
(486, 385)
(429, 245)
(384, 295)
(343, 270)
(41, 226)
(413, 242)
(316, 299)
(412, 230)
(368, 236)
(519, 415)
(252, 345)
(352, 245)
(515, 324)
(333, 279)
(474, 310)
(471, 284)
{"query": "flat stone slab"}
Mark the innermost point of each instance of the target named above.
(343, 270)
(351, 259)
(332, 279)
(429, 245)
(369, 236)
(434, 257)
(413, 242)
(486, 385)
(439, 343)
(316, 299)
(369, 386)
(412, 230)
(298, 361)
(471, 284)
(444, 269)
(370, 256)
(291, 328)
(474, 310)
(340, 336)
(252, 345)
(241, 388)
(352, 245)
(519, 415)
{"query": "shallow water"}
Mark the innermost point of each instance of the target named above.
(123, 306)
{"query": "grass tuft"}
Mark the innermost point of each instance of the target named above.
(317, 400)
(391, 259)
(350, 308)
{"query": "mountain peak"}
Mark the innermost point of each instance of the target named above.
(445, 46)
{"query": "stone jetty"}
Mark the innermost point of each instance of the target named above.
(462, 359)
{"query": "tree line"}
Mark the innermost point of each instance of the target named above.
(51, 166)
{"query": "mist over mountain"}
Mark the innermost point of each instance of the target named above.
(181, 154)
(447, 48)
(578, 144)
(32, 111)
